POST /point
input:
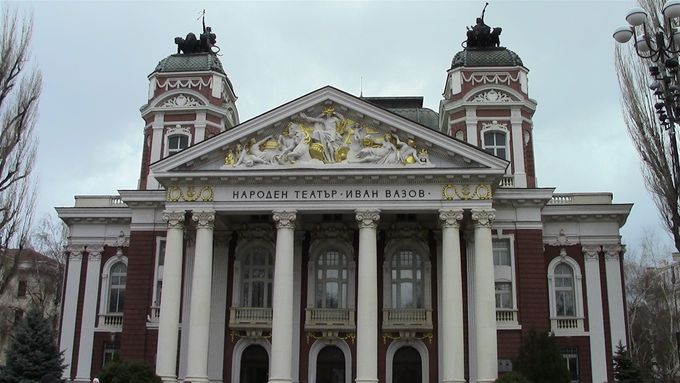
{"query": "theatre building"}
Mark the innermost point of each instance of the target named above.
(339, 238)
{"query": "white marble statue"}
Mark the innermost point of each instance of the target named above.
(325, 131)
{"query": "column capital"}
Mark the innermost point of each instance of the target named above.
(450, 218)
(95, 252)
(203, 219)
(175, 219)
(75, 252)
(590, 252)
(483, 217)
(285, 219)
(612, 252)
(367, 218)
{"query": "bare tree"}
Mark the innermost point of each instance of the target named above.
(49, 238)
(656, 144)
(20, 87)
(652, 297)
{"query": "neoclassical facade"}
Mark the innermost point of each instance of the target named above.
(339, 238)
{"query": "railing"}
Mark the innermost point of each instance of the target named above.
(112, 320)
(99, 201)
(154, 315)
(506, 316)
(250, 317)
(320, 318)
(566, 325)
(581, 199)
(407, 319)
(507, 182)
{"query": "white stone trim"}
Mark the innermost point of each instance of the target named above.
(319, 345)
(89, 312)
(68, 322)
(578, 292)
(237, 353)
(104, 290)
(598, 353)
(177, 130)
(419, 346)
(617, 324)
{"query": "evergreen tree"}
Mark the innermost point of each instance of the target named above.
(32, 355)
(513, 377)
(625, 371)
(540, 359)
(125, 371)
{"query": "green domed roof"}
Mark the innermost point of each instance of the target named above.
(194, 62)
(423, 116)
(486, 57)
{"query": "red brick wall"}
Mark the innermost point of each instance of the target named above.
(141, 261)
(532, 280)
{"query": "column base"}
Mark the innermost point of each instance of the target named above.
(366, 380)
(454, 381)
(486, 380)
(168, 379)
(196, 379)
(280, 380)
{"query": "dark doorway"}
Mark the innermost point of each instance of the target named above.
(254, 365)
(330, 365)
(407, 366)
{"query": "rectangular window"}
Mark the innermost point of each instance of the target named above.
(503, 295)
(160, 262)
(21, 289)
(501, 252)
(110, 350)
(570, 356)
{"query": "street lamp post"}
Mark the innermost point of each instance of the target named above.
(659, 43)
(658, 40)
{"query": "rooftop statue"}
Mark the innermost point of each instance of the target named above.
(204, 44)
(481, 36)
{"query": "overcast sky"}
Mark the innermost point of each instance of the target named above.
(95, 58)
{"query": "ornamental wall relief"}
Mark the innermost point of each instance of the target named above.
(328, 138)
(493, 95)
(181, 101)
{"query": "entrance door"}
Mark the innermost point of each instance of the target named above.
(407, 366)
(254, 365)
(330, 365)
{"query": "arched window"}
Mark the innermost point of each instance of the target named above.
(495, 142)
(254, 365)
(330, 365)
(257, 269)
(565, 294)
(177, 142)
(331, 279)
(117, 281)
(407, 279)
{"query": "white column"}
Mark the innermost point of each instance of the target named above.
(199, 309)
(89, 313)
(617, 324)
(282, 319)
(166, 353)
(485, 298)
(471, 126)
(68, 322)
(598, 353)
(520, 176)
(367, 303)
(157, 139)
(452, 346)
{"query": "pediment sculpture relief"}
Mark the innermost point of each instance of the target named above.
(328, 138)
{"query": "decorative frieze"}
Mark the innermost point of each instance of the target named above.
(285, 219)
(256, 231)
(367, 218)
(411, 231)
(184, 83)
(466, 192)
(189, 193)
(181, 101)
(490, 78)
(483, 218)
(491, 96)
(326, 231)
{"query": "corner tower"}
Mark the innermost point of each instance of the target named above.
(486, 103)
(190, 99)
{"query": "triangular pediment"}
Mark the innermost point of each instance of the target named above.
(328, 129)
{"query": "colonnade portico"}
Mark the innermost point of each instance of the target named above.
(451, 326)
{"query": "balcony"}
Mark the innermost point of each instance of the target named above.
(407, 319)
(248, 318)
(329, 319)
(111, 322)
(507, 319)
(566, 326)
